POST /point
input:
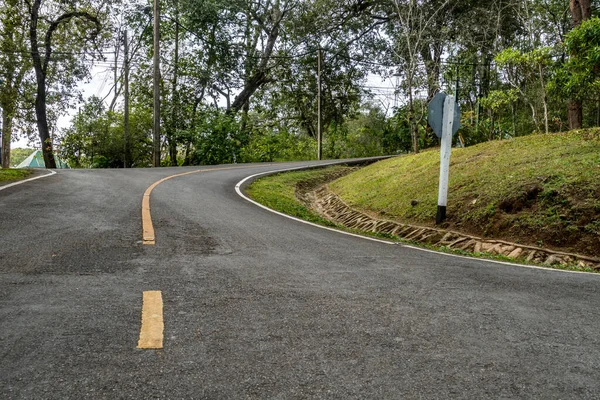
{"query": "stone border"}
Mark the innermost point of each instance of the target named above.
(330, 206)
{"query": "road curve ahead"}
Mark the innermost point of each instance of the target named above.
(254, 305)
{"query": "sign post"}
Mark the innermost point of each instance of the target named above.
(444, 119)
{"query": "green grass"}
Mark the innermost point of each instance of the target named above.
(534, 189)
(488, 173)
(9, 175)
(278, 192)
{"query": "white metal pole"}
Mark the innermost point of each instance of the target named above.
(446, 148)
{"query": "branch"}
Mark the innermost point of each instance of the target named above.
(62, 19)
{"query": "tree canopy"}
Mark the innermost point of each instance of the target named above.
(238, 79)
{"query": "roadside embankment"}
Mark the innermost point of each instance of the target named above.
(538, 190)
(12, 175)
(534, 199)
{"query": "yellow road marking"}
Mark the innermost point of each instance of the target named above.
(147, 227)
(151, 332)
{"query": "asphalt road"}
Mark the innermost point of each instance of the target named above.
(259, 306)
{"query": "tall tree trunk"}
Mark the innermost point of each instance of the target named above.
(40, 99)
(40, 65)
(251, 40)
(432, 66)
(15, 67)
(411, 119)
(42, 123)
(575, 113)
(8, 104)
(580, 11)
(259, 77)
(6, 136)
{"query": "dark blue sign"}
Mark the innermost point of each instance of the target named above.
(436, 114)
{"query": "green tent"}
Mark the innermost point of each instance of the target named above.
(36, 160)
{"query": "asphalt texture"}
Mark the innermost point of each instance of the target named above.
(260, 306)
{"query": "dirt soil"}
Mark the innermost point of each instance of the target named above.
(571, 220)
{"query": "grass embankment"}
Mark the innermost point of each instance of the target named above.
(539, 190)
(10, 175)
(278, 191)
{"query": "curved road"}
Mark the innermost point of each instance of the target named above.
(259, 306)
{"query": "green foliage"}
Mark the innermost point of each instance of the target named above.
(18, 155)
(527, 62)
(579, 76)
(96, 140)
(15, 82)
(279, 145)
(217, 140)
(498, 99)
(238, 79)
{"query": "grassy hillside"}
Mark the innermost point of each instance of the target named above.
(538, 190)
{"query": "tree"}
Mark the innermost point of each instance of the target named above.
(238, 78)
(19, 155)
(14, 66)
(70, 20)
(495, 101)
(581, 10)
(415, 20)
(578, 78)
(95, 137)
(528, 69)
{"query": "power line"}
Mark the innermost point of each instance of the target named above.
(70, 53)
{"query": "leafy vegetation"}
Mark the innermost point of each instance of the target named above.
(238, 83)
(18, 155)
(238, 79)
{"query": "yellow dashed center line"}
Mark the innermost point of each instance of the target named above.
(151, 332)
(147, 227)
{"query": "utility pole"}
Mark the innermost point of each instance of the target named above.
(156, 152)
(175, 106)
(126, 111)
(457, 83)
(319, 110)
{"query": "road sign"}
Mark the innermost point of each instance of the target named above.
(436, 114)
